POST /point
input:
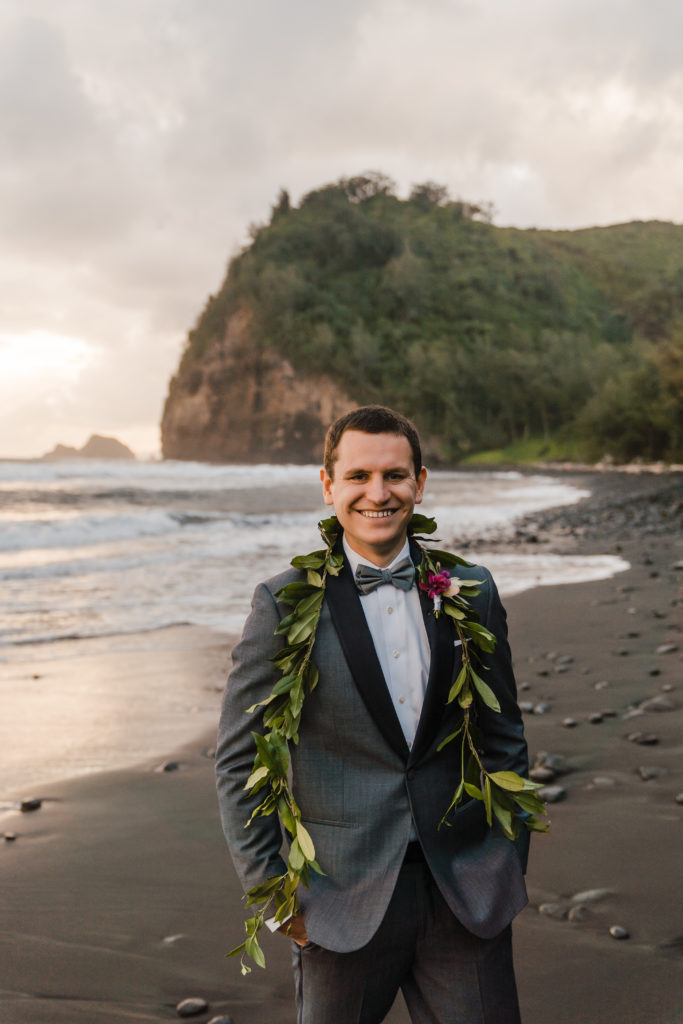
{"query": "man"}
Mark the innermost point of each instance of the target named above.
(402, 903)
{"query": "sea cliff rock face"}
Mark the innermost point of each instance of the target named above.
(244, 404)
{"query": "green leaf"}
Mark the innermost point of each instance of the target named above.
(422, 524)
(534, 825)
(447, 558)
(487, 801)
(314, 578)
(508, 780)
(451, 737)
(302, 629)
(481, 636)
(288, 819)
(314, 560)
(474, 791)
(451, 610)
(505, 819)
(314, 601)
(485, 692)
(296, 856)
(253, 950)
(256, 776)
(457, 685)
(305, 842)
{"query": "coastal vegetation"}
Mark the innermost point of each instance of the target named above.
(490, 338)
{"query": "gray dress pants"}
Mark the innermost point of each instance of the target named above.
(446, 974)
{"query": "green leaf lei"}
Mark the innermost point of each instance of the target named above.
(506, 796)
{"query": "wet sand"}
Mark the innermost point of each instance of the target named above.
(119, 899)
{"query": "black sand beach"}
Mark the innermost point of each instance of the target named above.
(118, 896)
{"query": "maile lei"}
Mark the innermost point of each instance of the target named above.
(506, 796)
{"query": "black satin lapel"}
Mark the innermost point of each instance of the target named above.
(356, 642)
(441, 634)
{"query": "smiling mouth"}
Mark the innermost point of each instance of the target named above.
(384, 514)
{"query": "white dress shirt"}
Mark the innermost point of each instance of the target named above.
(395, 621)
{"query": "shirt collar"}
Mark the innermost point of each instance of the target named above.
(354, 559)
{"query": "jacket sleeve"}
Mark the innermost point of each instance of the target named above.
(254, 849)
(504, 745)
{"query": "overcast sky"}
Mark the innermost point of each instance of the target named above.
(138, 140)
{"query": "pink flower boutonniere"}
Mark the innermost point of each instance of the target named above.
(439, 585)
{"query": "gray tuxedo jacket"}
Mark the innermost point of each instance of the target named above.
(357, 783)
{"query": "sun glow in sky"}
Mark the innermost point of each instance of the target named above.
(139, 140)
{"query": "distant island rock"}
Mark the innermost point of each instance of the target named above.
(96, 447)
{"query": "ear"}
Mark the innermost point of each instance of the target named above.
(326, 481)
(421, 480)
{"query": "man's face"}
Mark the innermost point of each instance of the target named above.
(374, 492)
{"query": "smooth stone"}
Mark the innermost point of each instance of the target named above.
(169, 940)
(541, 774)
(622, 652)
(524, 686)
(552, 794)
(222, 1020)
(655, 672)
(191, 1007)
(608, 713)
(595, 718)
(579, 913)
(667, 687)
(591, 895)
(543, 672)
(542, 709)
(617, 932)
(644, 739)
(526, 706)
(676, 566)
(569, 723)
(31, 803)
(651, 771)
(603, 782)
(555, 910)
(561, 668)
(632, 634)
(666, 649)
(658, 704)
(9, 837)
(603, 684)
(169, 766)
(565, 659)
(679, 798)
(556, 762)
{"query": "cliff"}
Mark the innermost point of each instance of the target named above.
(244, 403)
(518, 344)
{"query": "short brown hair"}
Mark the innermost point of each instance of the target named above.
(371, 419)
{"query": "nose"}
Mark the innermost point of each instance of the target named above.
(377, 491)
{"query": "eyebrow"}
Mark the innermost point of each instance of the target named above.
(390, 469)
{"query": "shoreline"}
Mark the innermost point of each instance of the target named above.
(120, 899)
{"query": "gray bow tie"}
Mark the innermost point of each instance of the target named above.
(368, 578)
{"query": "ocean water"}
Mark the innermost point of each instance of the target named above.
(97, 557)
(96, 548)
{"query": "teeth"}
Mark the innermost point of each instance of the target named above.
(379, 515)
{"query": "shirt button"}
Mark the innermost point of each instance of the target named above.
(390, 610)
(401, 700)
(396, 654)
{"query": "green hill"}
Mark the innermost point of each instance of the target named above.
(571, 341)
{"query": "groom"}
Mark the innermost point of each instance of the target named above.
(402, 903)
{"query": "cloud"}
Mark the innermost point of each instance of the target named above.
(139, 139)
